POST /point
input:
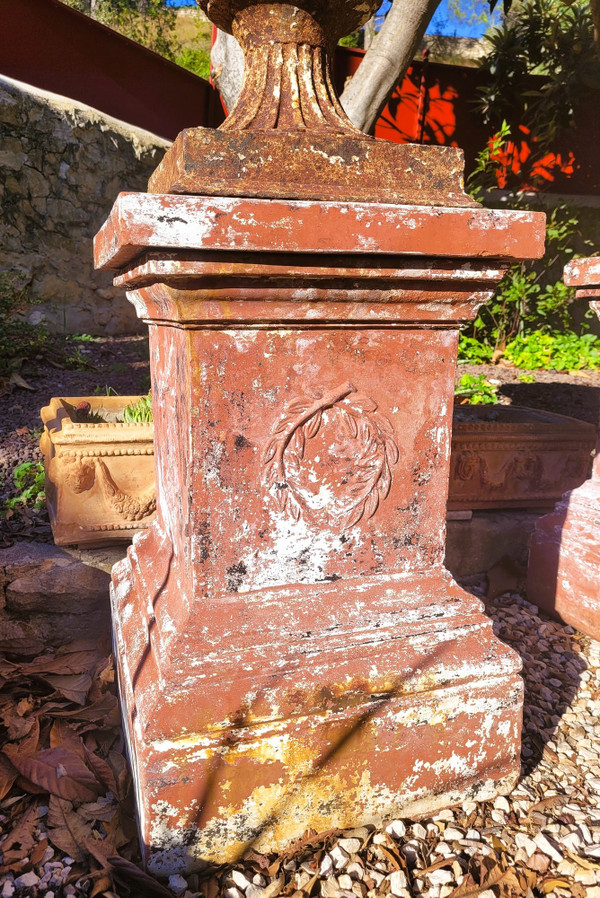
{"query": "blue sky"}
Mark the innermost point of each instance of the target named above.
(445, 20)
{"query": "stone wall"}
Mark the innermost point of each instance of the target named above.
(61, 166)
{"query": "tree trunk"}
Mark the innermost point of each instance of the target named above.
(595, 10)
(387, 59)
(370, 32)
(227, 68)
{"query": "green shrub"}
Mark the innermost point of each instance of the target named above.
(554, 351)
(195, 60)
(22, 342)
(29, 480)
(476, 390)
(138, 412)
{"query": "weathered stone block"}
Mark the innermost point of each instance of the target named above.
(49, 598)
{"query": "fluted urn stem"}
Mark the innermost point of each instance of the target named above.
(288, 84)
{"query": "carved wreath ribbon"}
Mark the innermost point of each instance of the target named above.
(359, 418)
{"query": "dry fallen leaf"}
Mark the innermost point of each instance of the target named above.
(59, 771)
(67, 829)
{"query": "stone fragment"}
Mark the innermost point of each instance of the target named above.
(330, 889)
(397, 829)
(326, 865)
(451, 833)
(177, 884)
(27, 880)
(254, 891)
(547, 847)
(440, 877)
(51, 598)
(340, 857)
(239, 879)
(350, 846)
(523, 841)
(356, 870)
(398, 882)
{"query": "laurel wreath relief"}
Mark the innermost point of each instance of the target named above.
(373, 446)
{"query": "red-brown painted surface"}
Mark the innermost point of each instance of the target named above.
(291, 650)
(51, 46)
(510, 457)
(564, 556)
(448, 97)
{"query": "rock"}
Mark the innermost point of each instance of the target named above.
(57, 584)
(254, 891)
(330, 889)
(177, 884)
(20, 638)
(240, 879)
(339, 856)
(350, 846)
(326, 866)
(547, 847)
(8, 889)
(398, 882)
(50, 598)
(27, 880)
(445, 814)
(397, 829)
(356, 870)
(523, 841)
(233, 892)
(440, 877)
(451, 833)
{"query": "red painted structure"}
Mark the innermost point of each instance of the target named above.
(437, 104)
(53, 47)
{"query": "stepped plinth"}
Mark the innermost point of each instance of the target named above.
(292, 652)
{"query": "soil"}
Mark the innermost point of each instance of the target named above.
(576, 394)
(120, 365)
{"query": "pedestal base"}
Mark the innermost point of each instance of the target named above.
(324, 705)
(564, 560)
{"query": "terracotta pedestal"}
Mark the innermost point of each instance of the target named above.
(564, 556)
(292, 652)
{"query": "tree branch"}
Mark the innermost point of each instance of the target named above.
(387, 59)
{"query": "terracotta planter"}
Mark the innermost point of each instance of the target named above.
(509, 457)
(96, 491)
